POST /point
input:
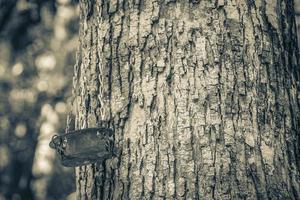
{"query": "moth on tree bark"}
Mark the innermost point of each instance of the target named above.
(203, 97)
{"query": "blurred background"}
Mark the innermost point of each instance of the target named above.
(38, 41)
(297, 12)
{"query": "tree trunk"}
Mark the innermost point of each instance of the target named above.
(203, 97)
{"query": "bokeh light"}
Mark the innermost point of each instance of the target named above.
(38, 40)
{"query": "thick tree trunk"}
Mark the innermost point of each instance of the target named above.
(203, 97)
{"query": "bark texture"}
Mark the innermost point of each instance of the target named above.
(203, 96)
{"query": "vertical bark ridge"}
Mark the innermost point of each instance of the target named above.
(203, 97)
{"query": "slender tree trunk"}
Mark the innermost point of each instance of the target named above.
(203, 97)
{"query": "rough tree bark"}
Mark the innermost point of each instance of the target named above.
(203, 97)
